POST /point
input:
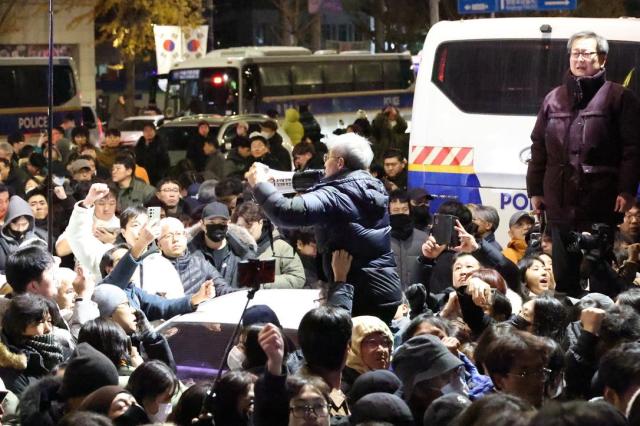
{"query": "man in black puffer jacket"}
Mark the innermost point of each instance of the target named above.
(193, 268)
(349, 211)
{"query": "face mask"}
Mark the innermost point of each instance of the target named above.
(266, 135)
(401, 226)
(520, 323)
(216, 232)
(421, 215)
(236, 358)
(456, 386)
(163, 412)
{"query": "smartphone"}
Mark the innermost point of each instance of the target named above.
(442, 229)
(57, 180)
(253, 272)
(154, 214)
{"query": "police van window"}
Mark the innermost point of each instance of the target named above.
(368, 76)
(397, 74)
(623, 64)
(508, 77)
(275, 80)
(306, 78)
(26, 85)
(511, 77)
(338, 77)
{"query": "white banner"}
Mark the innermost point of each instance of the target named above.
(194, 42)
(168, 46)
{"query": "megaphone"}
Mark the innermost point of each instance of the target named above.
(292, 182)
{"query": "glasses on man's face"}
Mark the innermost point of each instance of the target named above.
(543, 374)
(327, 156)
(586, 55)
(173, 235)
(303, 410)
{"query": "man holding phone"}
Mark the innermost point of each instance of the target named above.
(349, 209)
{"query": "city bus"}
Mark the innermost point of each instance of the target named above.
(24, 94)
(247, 80)
(478, 91)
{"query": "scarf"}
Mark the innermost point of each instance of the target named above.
(48, 349)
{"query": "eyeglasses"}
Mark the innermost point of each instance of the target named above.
(543, 373)
(317, 410)
(173, 235)
(170, 190)
(327, 156)
(376, 341)
(585, 55)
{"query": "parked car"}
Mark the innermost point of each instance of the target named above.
(93, 123)
(198, 339)
(179, 132)
(131, 128)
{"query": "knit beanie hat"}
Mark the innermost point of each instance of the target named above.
(108, 297)
(87, 370)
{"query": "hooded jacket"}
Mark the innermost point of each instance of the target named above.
(293, 126)
(362, 327)
(9, 242)
(350, 212)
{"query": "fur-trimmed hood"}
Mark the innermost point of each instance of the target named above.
(241, 235)
(10, 358)
(40, 404)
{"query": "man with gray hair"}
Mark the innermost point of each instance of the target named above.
(349, 209)
(585, 156)
(487, 220)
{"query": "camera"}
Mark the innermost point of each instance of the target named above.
(598, 244)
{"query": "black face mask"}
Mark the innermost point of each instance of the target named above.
(401, 226)
(520, 323)
(216, 232)
(421, 216)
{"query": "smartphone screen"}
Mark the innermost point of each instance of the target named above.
(153, 213)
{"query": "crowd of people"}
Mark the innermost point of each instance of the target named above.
(409, 330)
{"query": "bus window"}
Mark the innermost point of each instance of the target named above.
(338, 77)
(368, 76)
(307, 79)
(508, 77)
(397, 74)
(275, 80)
(26, 85)
(220, 89)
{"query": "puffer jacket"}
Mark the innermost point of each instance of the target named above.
(293, 126)
(289, 268)
(585, 150)
(194, 270)
(8, 241)
(349, 212)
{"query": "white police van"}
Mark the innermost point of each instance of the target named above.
(479, 88)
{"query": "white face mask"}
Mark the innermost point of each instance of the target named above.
(163, 412)
(236, 358)
(455, 385)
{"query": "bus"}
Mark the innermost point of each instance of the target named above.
(478, 91)
(24, 94)
(248, 80)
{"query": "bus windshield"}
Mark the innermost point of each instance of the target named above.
(203, 91)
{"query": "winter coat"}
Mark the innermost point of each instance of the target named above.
(349, 211)
(40, 403)
(154, 157)
(292, 125)
(235, 165)
(8, 242)
(387, 137)
(311, 127)
(280, 153)
(240, 246)
(289, 269)
(407, 254)
(215, 164)
(195, 152)
(136, 195)
(585, 150)
(194, 270)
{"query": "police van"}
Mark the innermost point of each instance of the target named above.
(479, 88)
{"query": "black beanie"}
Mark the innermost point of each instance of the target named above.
(87, 371)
